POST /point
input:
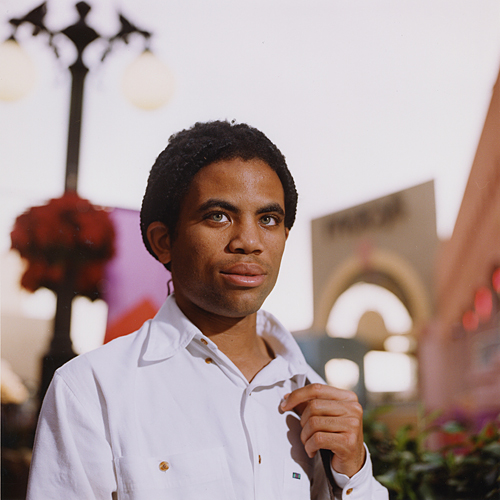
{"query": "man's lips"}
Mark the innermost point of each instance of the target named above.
(245, 275)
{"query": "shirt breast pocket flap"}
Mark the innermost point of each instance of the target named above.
(203, 473)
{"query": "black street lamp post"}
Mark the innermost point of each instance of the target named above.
(81, 35)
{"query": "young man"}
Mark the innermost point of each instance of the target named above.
(212, 399)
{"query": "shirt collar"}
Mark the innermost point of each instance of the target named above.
(170, 331)
(281, 342)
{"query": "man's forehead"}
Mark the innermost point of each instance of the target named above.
(238, 174)
(231, 182)
(238, 169)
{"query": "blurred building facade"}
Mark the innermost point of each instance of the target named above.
(460, 351)
(451, 289)
(389, 243)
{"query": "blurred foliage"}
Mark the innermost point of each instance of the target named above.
(467, 466)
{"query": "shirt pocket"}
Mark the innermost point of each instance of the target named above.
(297, 480)
(203, 475)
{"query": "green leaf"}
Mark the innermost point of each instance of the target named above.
(453, 427)
(493, 448)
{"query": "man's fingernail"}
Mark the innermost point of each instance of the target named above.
(284, 400)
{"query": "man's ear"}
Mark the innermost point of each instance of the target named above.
(159, 239)
(287, 232)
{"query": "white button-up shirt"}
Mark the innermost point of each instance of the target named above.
(164, 414)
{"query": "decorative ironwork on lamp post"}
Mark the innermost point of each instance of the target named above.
(81, 35)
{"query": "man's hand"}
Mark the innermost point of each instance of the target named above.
(331, 419)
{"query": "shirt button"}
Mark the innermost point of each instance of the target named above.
(164, 466)
(203, 341)
(209, 360)
(349, 491)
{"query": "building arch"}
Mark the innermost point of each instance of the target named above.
(386, 269)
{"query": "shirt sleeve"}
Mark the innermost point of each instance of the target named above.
(361, 486)
(71, 457)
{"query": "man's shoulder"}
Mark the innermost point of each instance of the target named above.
(116, 355)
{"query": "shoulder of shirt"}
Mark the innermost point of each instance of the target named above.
(117, 353)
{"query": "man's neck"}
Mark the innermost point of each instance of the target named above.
(236, 337)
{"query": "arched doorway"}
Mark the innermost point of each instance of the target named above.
(385, 269)
(373, 315)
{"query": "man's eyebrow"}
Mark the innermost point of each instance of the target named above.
(225, 205)
(272, 207)
(218, 203)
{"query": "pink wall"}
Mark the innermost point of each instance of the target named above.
(460, 368)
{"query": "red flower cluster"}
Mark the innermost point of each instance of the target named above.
(68, 234)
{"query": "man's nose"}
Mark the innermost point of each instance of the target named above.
(246, 238)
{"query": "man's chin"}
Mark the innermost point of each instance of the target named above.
(238, 307)
(233, 304)
(239, 310)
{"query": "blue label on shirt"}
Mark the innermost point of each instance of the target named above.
(296, 475)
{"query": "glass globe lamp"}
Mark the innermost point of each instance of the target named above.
(17, 71)
(147, 82)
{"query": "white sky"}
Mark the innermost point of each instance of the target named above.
(364, 97)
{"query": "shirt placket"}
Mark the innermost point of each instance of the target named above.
(215, 359)
(252, 419)
(266, 468)
(254, 415)
(258, 447)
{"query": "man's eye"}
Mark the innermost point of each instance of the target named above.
(268, 220)
(218, 217)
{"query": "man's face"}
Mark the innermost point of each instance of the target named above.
(229, 239)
